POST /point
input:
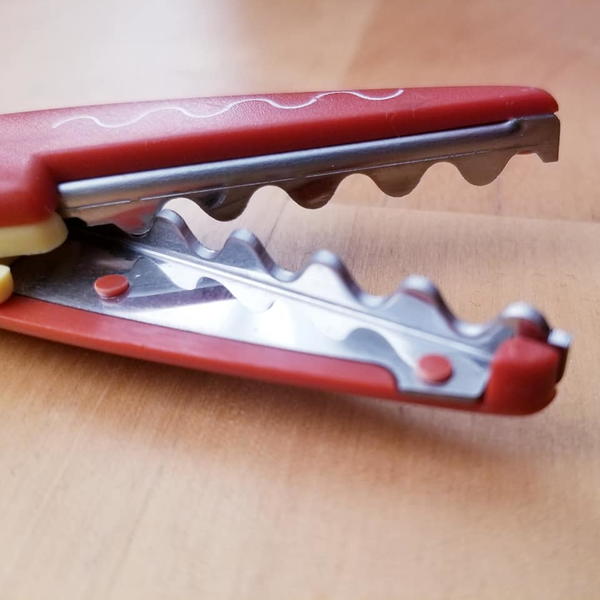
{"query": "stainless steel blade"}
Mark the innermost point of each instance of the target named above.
(239, 293)
(311, 177)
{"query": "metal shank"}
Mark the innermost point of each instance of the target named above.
(311, 176)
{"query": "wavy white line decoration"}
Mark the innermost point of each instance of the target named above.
(225, 109)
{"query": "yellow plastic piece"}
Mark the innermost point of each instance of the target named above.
(6, 283)
(33, 238)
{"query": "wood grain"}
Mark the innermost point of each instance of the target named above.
(124, 479)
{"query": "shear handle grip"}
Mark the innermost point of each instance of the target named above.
(523, 375)
(39, 150)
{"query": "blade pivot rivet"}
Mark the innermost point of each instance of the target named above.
(434, 368)
(111, 286)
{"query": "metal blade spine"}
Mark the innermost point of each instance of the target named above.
(279, 287)
(311, 176)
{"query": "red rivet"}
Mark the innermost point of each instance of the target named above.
(111, 286)
(434, 368)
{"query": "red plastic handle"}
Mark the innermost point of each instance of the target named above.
(522, 381)
(38, 150)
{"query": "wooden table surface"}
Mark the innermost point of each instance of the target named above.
(124, 479)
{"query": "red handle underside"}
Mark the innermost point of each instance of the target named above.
(523, 373)
(38, 150)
